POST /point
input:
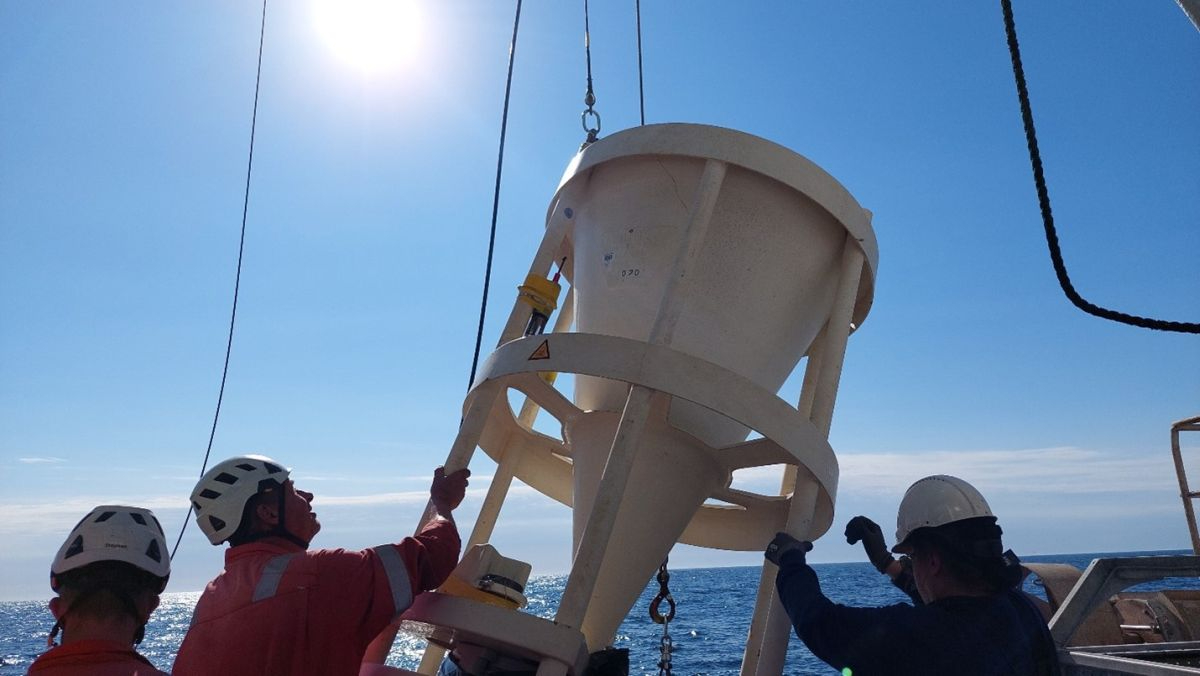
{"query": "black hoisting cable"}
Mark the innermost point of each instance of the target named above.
(487, 275)
(641, 85)
(237, 280)
(1035, 159)
(589, 97)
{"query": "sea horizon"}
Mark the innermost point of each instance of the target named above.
(815, 564)
(714, 605)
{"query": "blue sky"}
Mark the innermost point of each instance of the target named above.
(123, 138)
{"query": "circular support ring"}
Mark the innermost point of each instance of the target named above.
(750, 520)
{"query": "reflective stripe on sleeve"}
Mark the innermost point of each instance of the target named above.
(271, 575)
(397, 575)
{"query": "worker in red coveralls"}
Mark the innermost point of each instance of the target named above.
(279, 608)
(108, 576)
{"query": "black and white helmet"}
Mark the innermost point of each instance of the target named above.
(222, 493)
(114, 533)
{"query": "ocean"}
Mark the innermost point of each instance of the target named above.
(713, 607)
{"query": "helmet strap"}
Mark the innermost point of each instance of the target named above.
(281, 529)
(58, 626)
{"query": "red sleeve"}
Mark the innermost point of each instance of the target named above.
(430, 555)
(358, 596)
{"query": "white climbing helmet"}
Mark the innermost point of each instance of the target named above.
(221, 495)
(936, 501)
(114, 533)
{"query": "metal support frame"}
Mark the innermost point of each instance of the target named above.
(489, 511)
(446, 620)
(1105, 577)
(1186, 494)
(1143, 659)
(805, 439)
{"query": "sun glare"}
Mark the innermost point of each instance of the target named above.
(371, 35)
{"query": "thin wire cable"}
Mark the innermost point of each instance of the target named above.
(1060, 269)
(487, 275)
(237, 281)
(641, 84)
(589, 97)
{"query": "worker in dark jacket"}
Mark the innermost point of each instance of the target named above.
(972, 622)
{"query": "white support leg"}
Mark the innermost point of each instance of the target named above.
(459, 457)
(778, 629)
(600, 524)
(766, 582)
(832, 353)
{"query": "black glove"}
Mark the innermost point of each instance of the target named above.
(866, 530)
(784, 543)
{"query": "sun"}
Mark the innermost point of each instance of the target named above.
(371, 35)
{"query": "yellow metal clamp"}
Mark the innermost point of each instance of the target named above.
(540, 293)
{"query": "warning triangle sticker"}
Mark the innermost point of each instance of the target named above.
(542, 351)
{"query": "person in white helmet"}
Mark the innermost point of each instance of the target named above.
(899, 571)
(280, 608)
(972, 620)
(107, 575)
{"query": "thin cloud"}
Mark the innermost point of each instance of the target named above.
(1102, 511)
(41, 517)
(1000, 474)
(1056, 470)
(61, 515)
(49, 460)
(403, 497)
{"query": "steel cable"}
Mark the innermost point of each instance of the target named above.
(487, 275)
(237, 280)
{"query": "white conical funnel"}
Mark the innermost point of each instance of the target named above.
(767, 272)
(760, 285)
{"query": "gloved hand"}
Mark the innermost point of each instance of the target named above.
(784, 543)
(447, 491)
(866, 530)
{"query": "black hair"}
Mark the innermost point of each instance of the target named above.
(972, 552)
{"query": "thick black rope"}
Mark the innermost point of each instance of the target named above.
(1035, 159)
(487, 275)
(237, 280)
(641, 84)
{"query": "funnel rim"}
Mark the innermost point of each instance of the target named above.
(751, 153)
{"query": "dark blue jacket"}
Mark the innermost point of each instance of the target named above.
(1003, 634)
